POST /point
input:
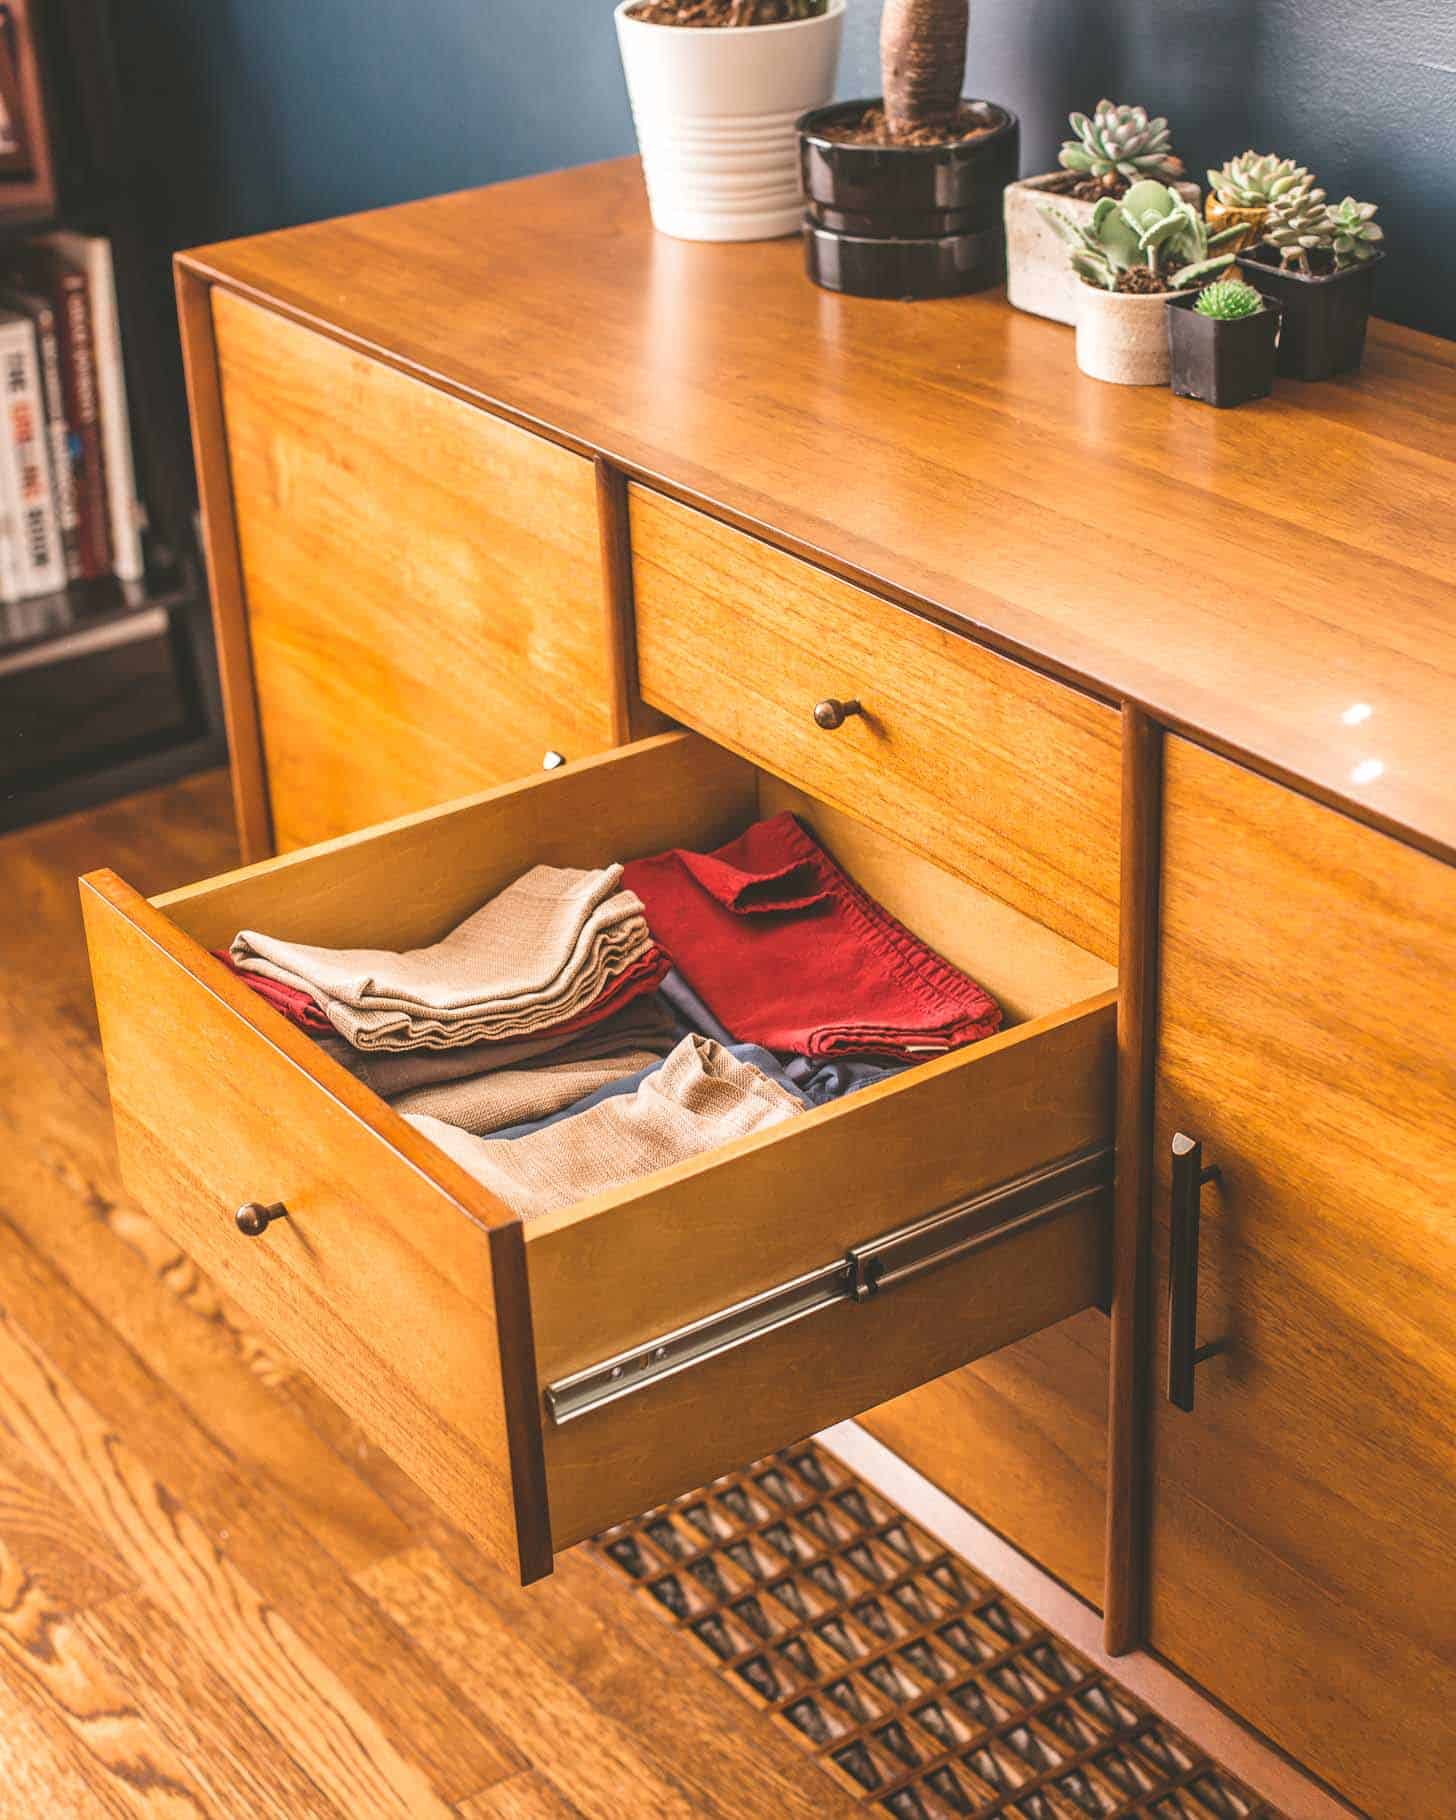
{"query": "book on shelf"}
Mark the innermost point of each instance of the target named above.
(58, 435)
(90, 254)
(39, 560)
(59, 298)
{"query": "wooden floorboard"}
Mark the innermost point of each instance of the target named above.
(215, 1598)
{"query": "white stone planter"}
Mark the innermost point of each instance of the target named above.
(715, 110)
(1122, 336)
(1038, 275)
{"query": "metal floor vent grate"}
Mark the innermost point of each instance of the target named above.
(916, 1683)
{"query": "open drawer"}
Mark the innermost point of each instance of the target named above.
(543, 1379)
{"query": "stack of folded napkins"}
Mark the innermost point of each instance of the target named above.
(555, 952)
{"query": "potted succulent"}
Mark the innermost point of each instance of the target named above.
(1112, 148)
(1247, 187)
(1129, 258)
(904, 188)
(1221, 342)
(1318, 263)
(716, 87)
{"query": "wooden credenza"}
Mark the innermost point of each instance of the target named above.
(535, 536)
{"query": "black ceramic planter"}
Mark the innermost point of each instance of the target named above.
(1223, 363)
(1324, 314)
(905, 221)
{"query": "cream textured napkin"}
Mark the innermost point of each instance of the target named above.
(536, 955)
(699, 1098)
(482, 1103)
(644, 1023)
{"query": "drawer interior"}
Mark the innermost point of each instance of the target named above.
(640, 1261)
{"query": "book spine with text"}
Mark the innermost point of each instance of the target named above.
(9, 528)
(88, 463)
(91, 254)
(58, 438)
(39, 559)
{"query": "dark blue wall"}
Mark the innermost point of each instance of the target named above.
(260, 113)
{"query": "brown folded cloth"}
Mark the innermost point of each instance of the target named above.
(699, 1098)
(535, 956)
(644, 1024)
(483, 1103)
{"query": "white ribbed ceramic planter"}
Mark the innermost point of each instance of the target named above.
(1122, 336)
(715, 109)
(1039, 278)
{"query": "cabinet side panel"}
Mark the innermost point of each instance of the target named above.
(224, 568)
(1303, 1516)
(423, 582)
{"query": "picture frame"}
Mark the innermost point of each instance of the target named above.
(27, 163)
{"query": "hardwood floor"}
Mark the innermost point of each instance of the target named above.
(215, 1597)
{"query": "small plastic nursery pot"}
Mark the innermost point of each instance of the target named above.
(1325, 313)
(1222, 362)
(1121, 335)
(904, 220)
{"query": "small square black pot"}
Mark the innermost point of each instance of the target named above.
(1325, 313)
(1223, 363)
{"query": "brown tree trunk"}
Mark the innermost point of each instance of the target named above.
(922, 62)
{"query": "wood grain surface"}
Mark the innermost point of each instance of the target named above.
(1304, 1513)
(952, 455)
(403, 1288)
(394, 1277)
(998, 774)
(190, 1617)
(422, 581)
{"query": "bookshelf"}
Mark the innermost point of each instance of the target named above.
(105, 686)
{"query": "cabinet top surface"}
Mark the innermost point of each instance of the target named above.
(1280, 578)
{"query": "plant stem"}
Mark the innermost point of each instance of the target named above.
(922, 62)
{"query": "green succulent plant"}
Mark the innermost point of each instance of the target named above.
(1152, 229)
(1120, 142)
(1253, 180)
(1354, 232)
(1228, 300)
(1298, 223)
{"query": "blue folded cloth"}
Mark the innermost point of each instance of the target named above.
(817, 1080)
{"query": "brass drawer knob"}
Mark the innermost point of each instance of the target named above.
(553, 761)
(255, 1217)
(830, 714)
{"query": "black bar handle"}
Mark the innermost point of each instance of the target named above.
(1184, 1352)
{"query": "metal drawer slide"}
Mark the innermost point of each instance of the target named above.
(869, 1269)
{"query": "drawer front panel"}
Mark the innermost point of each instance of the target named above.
(999, 774)
(399, 1297)
(422, 582)
(1304, 1511)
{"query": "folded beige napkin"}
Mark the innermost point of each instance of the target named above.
(482, 1103)
(699, 1098)
(644, 1023)
(534, 956)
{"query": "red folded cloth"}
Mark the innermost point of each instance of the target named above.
(294, 1003)
(645, 974)
(789, 952)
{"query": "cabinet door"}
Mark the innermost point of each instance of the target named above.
(1303, 1545)
(422, 582)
